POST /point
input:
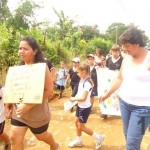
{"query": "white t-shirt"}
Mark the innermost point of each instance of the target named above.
(87, 87)
(136, 83)
(61, 73)
(2, 116)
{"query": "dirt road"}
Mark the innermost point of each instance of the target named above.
(63, 128)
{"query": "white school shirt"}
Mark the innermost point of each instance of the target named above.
(87, 87)
(61, 73)
(135, 88)
(2, 116)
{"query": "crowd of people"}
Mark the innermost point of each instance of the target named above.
(132, 61)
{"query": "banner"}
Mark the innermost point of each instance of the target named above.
(111, 105)
(25, 84)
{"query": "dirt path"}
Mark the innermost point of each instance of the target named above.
(63, 129)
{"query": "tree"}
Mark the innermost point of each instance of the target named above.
(67, 34)
(24, 15)
(114, 31)
(4, 11)
(95, 43)
(64, 25)
(89, 32)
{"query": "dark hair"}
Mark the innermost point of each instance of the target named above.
(39, 57)
(132, 36)
(84, 66)
(99, 51)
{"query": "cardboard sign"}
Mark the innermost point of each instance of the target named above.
(111, 105)
(25, 84)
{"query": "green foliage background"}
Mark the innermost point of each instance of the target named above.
(60, 41)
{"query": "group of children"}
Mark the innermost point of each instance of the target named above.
(83, 82)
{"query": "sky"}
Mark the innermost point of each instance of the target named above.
(100, 12)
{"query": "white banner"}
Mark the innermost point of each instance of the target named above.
(111, 105)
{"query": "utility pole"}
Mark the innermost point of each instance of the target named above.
(116, 34)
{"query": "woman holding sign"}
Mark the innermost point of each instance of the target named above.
(133, 82)
(36, 117)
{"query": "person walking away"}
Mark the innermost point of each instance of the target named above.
(61, 78)
(84, 108)
(133, 82)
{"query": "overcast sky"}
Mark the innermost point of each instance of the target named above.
(100, 12)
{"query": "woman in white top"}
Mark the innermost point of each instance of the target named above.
(133, 82)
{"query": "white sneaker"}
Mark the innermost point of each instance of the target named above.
(99, 141)
(75, 143)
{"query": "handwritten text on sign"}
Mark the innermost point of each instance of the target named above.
(25, 84)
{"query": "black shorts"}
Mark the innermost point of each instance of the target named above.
(94, 92)
(2, 127)
(60, 87)
(33, 130)
(83, 114)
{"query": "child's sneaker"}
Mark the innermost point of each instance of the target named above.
(99, 141)
(75, 143)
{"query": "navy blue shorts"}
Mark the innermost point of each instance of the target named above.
(33, 130)
(83, 114)
(94, 92)
(2, 127)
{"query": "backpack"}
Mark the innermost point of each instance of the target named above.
(88, 80)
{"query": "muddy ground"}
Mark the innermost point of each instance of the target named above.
(63, 129)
